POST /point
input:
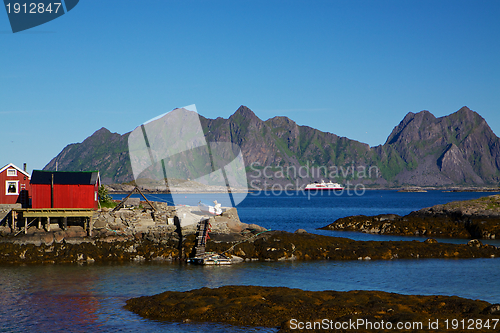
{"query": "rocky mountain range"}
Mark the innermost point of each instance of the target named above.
(459, 149)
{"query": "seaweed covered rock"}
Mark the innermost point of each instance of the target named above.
(281, 245)
(295, 309)
(267, 246)
(479, 218)
(87, 250)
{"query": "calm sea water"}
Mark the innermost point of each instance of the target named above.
(83, 298)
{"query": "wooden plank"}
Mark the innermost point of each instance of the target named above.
(58, 212)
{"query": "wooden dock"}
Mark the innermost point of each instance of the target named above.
(44, 215)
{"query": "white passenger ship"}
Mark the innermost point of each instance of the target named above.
(324, 186)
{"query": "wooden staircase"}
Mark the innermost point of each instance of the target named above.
(201, 237)
(206, 258)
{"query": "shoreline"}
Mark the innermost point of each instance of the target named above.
(168, 233)
(271, 246)
(402, 189)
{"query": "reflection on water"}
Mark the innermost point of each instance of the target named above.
(82, 298)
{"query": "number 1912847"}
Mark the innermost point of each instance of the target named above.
(471, 324)
(33, 8)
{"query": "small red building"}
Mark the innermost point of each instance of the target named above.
(65, 189)
(14, 185)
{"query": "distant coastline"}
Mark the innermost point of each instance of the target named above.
(125, 189)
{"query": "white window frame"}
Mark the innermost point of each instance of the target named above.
(7, 183)
(11, 172)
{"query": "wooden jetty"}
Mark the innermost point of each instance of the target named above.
(44, 216)
(206, 258)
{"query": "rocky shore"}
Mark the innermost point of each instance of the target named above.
(287, 309)
(133, 233)
(479, 218)
(268, 246)
(280, 245)
(141, 234)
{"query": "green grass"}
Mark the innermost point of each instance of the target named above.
(111, 204)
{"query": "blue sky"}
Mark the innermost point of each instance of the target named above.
(353, 68)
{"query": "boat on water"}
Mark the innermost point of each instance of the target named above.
(210, 258)
(216, 209)
(324, 186)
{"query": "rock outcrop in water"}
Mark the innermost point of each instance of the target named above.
(128, 234)
(314, 311)
(137, 234)
(268, 246)
(280, 245)
(479, 218)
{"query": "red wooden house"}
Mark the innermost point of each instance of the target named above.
(64, 189)
(14, 185)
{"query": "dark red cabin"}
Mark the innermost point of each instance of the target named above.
(65, 189)
(14, 185)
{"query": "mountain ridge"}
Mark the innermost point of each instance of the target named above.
(422, 150)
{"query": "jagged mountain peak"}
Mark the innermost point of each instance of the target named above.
(465, 115)
(245, 112)
(244, 117)
(102, 130)
(425, 126)
(459, 148)
(423, 115)
(280, 121)
(409, 127)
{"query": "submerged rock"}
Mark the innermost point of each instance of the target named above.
(290, 309)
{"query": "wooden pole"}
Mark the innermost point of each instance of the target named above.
(25, 225)
(39, 223)
(13, 221)
(90, 226)
(140, 192)
(48, 223)
(136, 188)
(65, 223)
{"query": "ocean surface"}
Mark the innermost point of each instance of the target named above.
(90, 297)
